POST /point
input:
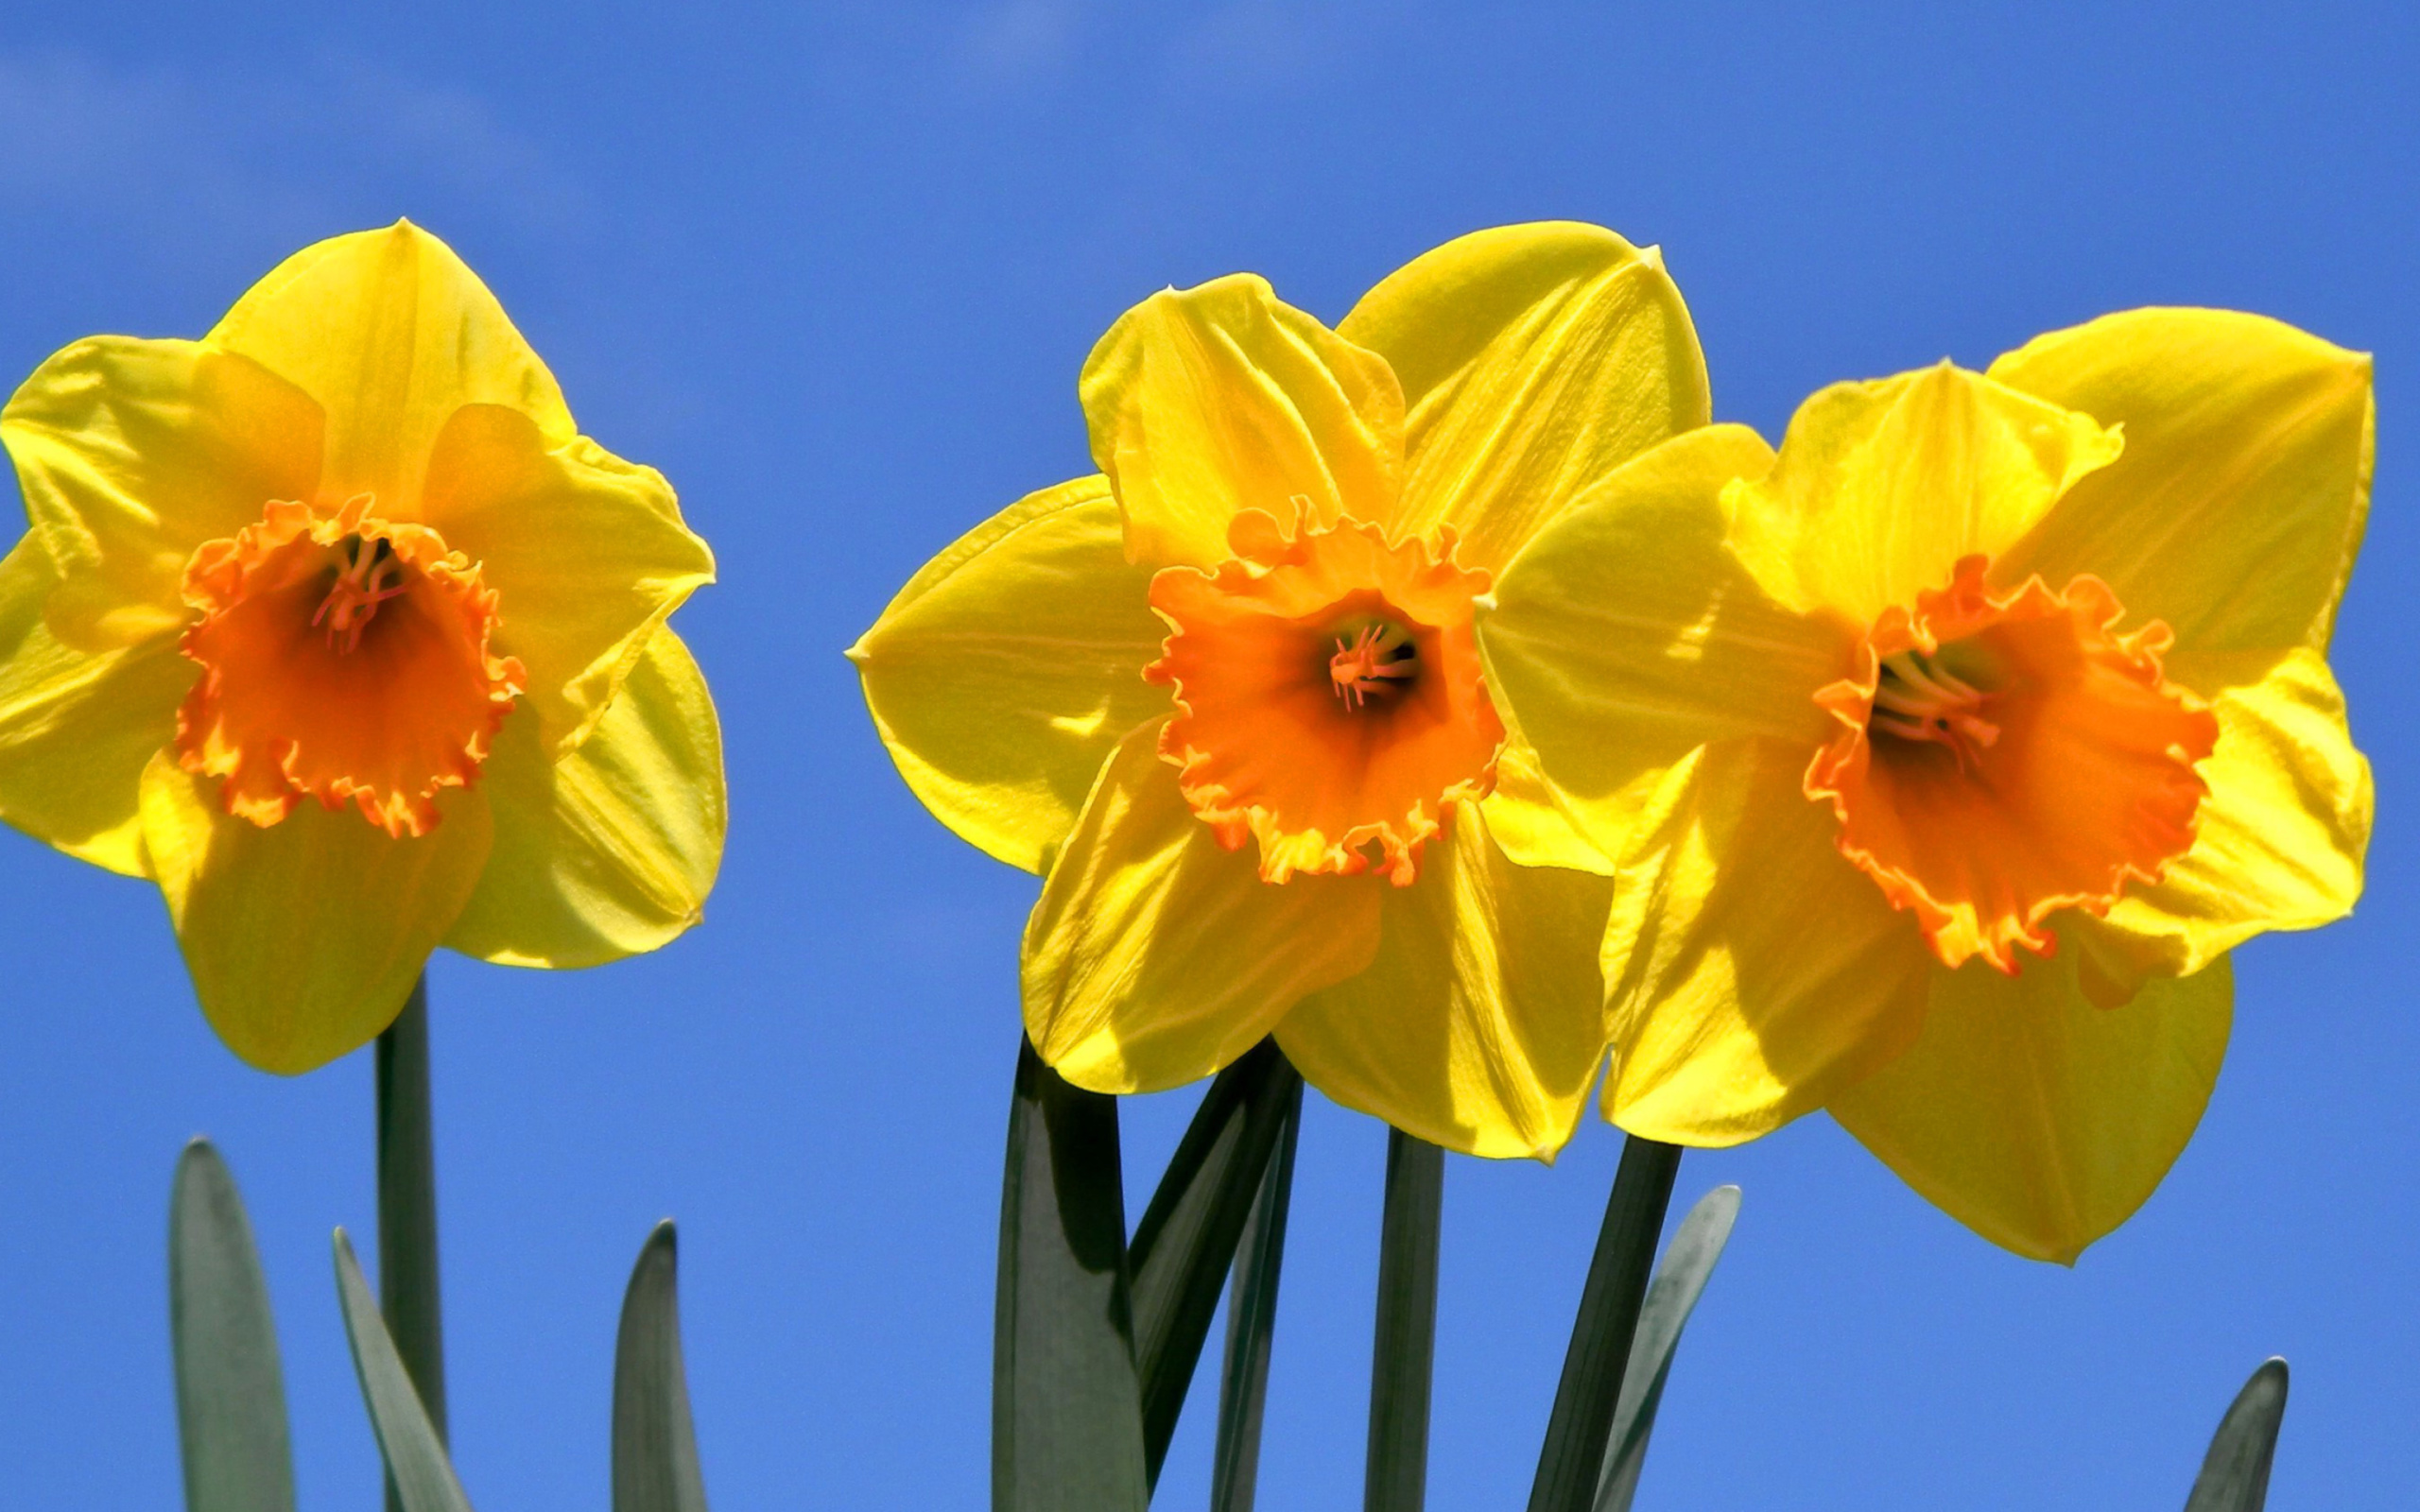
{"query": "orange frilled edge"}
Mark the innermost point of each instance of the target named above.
(2004, 755)
(345, 658)
(1329, 698)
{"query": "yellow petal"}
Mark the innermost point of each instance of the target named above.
(134, 452)
(1005, 673)
(2035, 1119)
(1209, 401)
(2235, 513)
(1155, 957)
(1625, 635)
(391, 333)
(77, 727)
(1753, 971)
(303, 938)
(587, 554)
(2279, 840)
(1534, 359)
(1882, 487)
(611, 850)
(1480, 1022)
(1529, 823)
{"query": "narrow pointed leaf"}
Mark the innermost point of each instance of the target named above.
(1586, 1401)
(417, 1467)
(1251, 1325)
(231, 1390)
(655, 1444)
(1396, 1479)
(1066, 1406)
(2235, 1474)
(1680, 1279)
(1185, 1244)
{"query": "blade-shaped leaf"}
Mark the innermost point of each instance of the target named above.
(1185, 1244)
(1581, 1423)
(231, 1391)
(1251, 1325)
(655, 1444)
(416, 1464)
(1680, 1279)
(1396, 1479)
(1066, 1406)
(2235, 1474)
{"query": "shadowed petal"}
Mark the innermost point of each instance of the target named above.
(2238, 504)
(2035, 1118)
(2278, 842)
(1005, 673)
(1883, 488)
(1625, 636)
(1752, 973)
(391, 334)
(1210, 401)
(78, 727)
(1480, 1022)
(1153, 956)
(134, 452)
(303, 937)
(587, 554)
(1534, 360)
(611, 850)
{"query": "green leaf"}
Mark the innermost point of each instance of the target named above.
(1185, 1244)
(2235, 1474)
(1251, 1325)
(230, 1392)
(416, 1463)
(1396, 1479)
(655, 1444)
(1581, 1423)
(1680, 1279)
(1066, 1404)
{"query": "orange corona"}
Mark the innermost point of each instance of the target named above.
(2005, 756)
(1328, 694)
(344, 658)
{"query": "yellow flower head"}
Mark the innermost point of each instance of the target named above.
(1944, 755)
(1226, 697)
(350, 547)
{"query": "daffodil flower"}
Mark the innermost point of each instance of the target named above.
(333, 625)
(1225, 695)
(1946, 754)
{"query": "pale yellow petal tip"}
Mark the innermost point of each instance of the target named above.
(1095, 1063)
(1696, 1117)
(302, 1049)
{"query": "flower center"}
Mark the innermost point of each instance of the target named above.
(1916, 698)
(1328, 696)
(1377, 661)
(2005, 755)
(345, 658)
(368, 575)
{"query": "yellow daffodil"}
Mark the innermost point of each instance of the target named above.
(350, 548)
(1946, 754)
(1225, 695)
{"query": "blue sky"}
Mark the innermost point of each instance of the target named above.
(833, 269)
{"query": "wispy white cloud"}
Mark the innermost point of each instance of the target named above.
(1018, 42)
(189, 155)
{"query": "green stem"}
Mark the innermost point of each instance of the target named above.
(1251, 1325)
(1584, 1402)
(407, 1208)
(1400, 1365)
